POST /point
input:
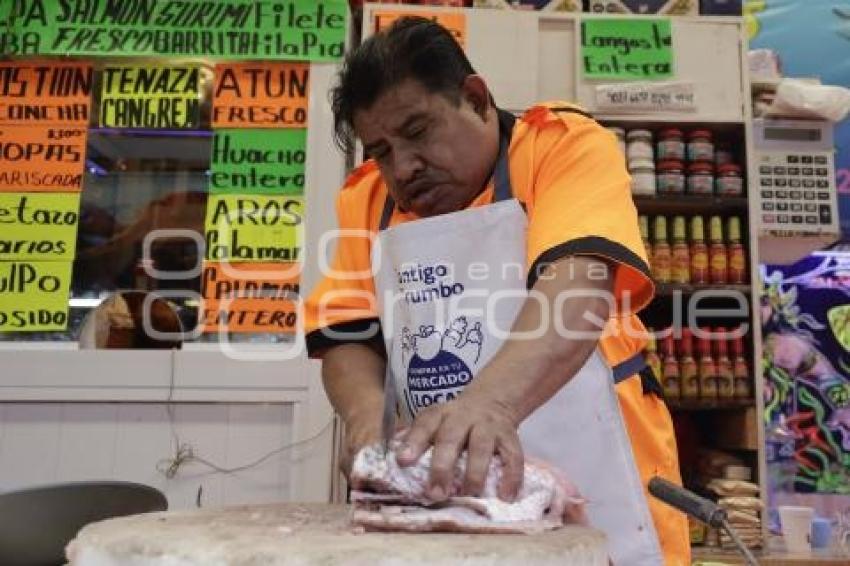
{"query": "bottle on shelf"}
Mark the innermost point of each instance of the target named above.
(717, 259)
(671, 376)
(688, 369)
(741, 370)
(643, 223)
(650, 355)
(661, 254)
(701, 146)
(725, 372)
(699, 252)
(737, 269)
(707, 368)
(681, 257)
(671, 144)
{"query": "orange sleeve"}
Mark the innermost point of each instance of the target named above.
(342, 307)
(581, 204)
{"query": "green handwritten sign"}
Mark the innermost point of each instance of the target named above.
(303, 30)
(34, 295)
(627, 49)
(38, 226)
(156, 97)
(258, 161)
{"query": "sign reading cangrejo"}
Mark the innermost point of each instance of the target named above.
(254, 228)
(305, 30)
(34, 295)
(159, 97)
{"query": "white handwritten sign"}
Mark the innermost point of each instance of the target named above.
(646, 97)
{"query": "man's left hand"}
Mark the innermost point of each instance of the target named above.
(482, 428)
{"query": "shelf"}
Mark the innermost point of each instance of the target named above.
(686, 204)
(697, 405)
(668, 289)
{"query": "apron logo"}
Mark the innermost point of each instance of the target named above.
(438, 363)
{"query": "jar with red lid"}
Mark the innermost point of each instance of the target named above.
(701, 146)
(670, 177)
(701, 178)
(729, 181)
(671, 144)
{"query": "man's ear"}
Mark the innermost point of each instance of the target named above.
(475, 92)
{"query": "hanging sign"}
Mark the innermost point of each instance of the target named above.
(151, 97)
(305, 30)
(34, 295)
(455, 22)
(42, 158)
(626, 49)
(46, 92)
(260, 95)
(38, 226)
(258, 161)
(249, 297)
(254, 228)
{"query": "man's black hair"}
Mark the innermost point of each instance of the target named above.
(412, 47)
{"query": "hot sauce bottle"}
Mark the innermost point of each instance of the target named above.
(681, 257)
(741, 370)
(735, 251)
(688, 366)
(661, 255)
(707, 369)
(671, 377)
(725, 373)
(650, 355)
(699, 252)
(643, 222)
(717, 258)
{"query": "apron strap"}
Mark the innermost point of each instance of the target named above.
(629, 367)
(501, 174)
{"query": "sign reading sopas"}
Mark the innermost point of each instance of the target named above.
(627, 49)
(305, 30)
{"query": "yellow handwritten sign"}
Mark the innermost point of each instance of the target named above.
(45, 92)
(34, 295)
(250, 297)
(254, 228)
(42, 158)
(38, 226)
(455, 22)
(155, 97)
(260, 95)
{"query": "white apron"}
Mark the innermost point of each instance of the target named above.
(449, 289)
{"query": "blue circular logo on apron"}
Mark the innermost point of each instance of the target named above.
(436, 380)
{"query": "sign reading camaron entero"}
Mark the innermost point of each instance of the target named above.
(306, 30)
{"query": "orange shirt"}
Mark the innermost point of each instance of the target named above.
(571, 177)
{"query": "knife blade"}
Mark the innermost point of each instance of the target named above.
(390, 409)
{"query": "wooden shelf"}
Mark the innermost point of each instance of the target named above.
(697, 405)
(668, 289)
(689, 204)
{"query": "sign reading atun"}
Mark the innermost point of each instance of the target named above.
(309, 30)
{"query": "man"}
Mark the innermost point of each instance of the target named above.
(440, 154)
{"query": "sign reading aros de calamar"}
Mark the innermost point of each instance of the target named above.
(305, 30)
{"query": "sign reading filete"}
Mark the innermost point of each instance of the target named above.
(258, 162)
(151, 97)
(627, 49)
(305, 30)
(260, 95)
(249, 297)
(34, 295)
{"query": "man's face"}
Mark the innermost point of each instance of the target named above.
(434, 155)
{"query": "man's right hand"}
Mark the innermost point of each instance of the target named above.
(359, 432)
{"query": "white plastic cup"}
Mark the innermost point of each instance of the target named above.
(797, 528)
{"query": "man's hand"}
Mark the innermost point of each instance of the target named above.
(359, 432)
(480, 427)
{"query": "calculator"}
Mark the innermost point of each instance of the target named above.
(794, 189)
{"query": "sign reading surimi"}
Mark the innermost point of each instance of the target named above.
(47, 92)
(260, 95)
(158, 97)
(42, 158)
(306, 30)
